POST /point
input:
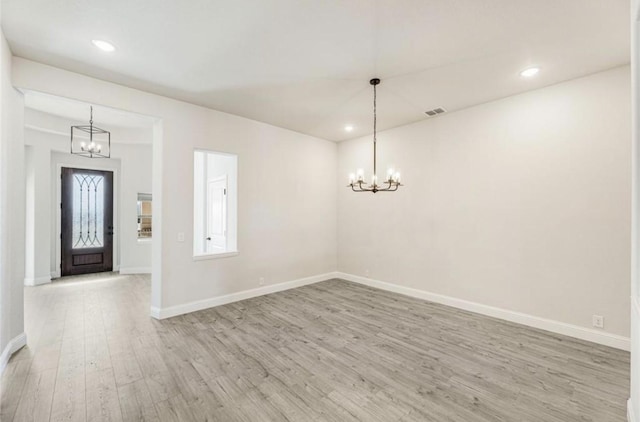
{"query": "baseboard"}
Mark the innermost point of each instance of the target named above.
(162, 313)
(36, 281)
(632, 415)
(135, 270)
(155, 313)
(13, 346)
(600, 337)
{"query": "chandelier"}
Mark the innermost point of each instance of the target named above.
(392, 180)
(97, 145)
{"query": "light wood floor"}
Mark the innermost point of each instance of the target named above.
(333, 351)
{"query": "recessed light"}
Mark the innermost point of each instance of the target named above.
(348, 128)
(532, 71)
(104, 45)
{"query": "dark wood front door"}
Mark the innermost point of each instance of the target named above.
(87, 221)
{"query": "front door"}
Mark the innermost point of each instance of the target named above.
(87, 221)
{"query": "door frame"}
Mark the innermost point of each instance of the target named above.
(69, 252)
(100, 166)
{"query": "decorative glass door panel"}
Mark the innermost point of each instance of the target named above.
(88, 211)
(87, 221)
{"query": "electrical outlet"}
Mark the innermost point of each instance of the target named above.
(261, 281)
(598, 321)
(180, 237)
(366, 273)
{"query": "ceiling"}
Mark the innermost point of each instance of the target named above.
(305, 65)
(55, 115)
(78, 112)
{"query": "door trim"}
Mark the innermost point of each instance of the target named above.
(57, 273)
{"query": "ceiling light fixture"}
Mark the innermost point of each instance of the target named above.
(348, 128)
(104, 45)
(392, 181)
(532, 71)
(98, 138)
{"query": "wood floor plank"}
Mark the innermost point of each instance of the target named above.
(46, 356)
(126, 368)
(36, 398)
(175, 409)
(69, 396)
(102, 396)
(11, 387)
(136, 403)
(97, 356)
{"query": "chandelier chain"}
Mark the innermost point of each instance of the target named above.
(375, 122)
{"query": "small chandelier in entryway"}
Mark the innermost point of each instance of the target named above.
(97, 145)
(392, 180)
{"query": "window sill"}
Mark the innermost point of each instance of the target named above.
(215, 255)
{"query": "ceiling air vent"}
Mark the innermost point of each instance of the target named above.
(435, 111)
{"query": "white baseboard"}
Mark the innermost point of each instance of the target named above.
(595, 336)
(135, 270)
(155, 313)
(14, 345)
(632, 415)
(36, 281)
(55, 274)
(162, 313)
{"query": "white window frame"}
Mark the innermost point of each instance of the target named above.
(148, 198)
(231, 190)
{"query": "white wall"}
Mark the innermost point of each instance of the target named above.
(12, 208)
(634, 401)
(131, 164)
(521, 204)
(136, 161)
(39, 229)
(287, 196)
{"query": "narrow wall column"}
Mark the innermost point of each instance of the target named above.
(12, 207)
(634, 401)
(38, 216)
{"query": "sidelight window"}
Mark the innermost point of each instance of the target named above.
(144, 216)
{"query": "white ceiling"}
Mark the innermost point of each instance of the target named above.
(305, 65)
(56, 115)
(78, 112)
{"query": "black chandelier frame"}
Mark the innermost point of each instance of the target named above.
(392, 183)
(92, 131)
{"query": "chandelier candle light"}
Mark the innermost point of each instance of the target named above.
(92, 148)
(392, 181)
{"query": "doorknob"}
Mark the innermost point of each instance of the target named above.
(208, 238)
